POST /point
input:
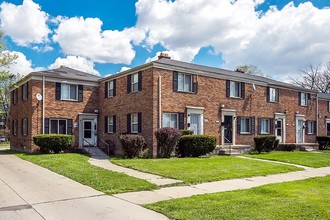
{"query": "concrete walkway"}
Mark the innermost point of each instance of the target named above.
(146, 197)
(30, 192)
(98, 158)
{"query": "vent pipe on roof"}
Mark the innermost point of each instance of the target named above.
(163, 55)
(239, 70)
(62, 66)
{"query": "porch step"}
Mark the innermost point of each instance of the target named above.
(233, 150)
(95, 152)
(307, 148)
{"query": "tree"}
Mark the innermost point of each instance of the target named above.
(251, 70)
(7, 79)
(315, 77)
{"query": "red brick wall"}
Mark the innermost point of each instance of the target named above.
(324, 114)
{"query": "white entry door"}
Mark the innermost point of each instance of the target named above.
(195, 123)
(279, 129)
(300, 131)
(89, 133)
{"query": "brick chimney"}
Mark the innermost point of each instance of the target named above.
(163, 55)
(239, 70)
(62, 66)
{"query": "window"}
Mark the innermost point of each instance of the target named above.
(235, 89)
(273, 95)
(111, 124)
(245, 125)
(57, 126)
(25, 127)
(14, 97)
(110, 89)
(69, 92)
(184, 82)
(310, 127)
(303, 99)
(264, 125)
(135, 82)
(170, 120)
(14, 127)
(134, 123)
(25, 91)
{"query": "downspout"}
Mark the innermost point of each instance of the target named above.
(317, 114)
(159, 101)
(43, 104)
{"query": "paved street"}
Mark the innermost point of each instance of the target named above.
(31, 192)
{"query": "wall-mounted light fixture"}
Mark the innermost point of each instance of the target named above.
(222, 106)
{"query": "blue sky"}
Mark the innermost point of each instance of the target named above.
(104, 37)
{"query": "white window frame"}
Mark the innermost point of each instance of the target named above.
(134, 123)
(170, 116)
(263, 120)
(273, 94)
(25, 91)
(25, 127)
(110, 124)
(58, 125)
(310, 127)
(110, 88)
(303, 99)
(243, 119)
(135, 81)
(69, 86)
(233, 87)
(184, 83)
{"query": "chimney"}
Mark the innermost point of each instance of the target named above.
(163, 55)
(62, 66)
(239, 70)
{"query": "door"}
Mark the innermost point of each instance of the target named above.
(195, 123)
(279, 130)
(300, 131)
(328, 127)
(88, 133)
(228, 129)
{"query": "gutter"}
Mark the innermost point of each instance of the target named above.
(317, 114)
(159, 101)
(43, 104)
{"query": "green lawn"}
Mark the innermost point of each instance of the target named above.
(305, 199)
(77, 167)
(196, 170)
(298, 157)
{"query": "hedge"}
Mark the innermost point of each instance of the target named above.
(265, 143)
(132, 144)
(54, 143)
(167, 139)
(324, 142)
(187, 132)
(195, 145)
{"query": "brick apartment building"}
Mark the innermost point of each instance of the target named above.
(230, 105)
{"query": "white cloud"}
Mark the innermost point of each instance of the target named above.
(84, 37)
(278, 41)
(124, 68)
(22, 66)
(75, 62)
(183, 54)
(25, 23)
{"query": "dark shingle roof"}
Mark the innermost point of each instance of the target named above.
(324, 96)
(68, 73)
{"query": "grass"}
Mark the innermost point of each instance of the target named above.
(77, 167)
(197, 170)
(305, 199)
(5, 143)
(297, 157)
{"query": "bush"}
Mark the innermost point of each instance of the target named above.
(187, 132)
(53, 142)
(324, 142)
(195, 145)
(286, 147)
(132, 144)
(264, 143)
(167, 139)
(276, 142)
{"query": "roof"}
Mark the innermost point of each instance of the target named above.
(324, 96)
(68, 73)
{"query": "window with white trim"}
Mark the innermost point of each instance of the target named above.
(310, 127)
(57, 126)
(303, 99)
(273, 95)
(264, 126)
(111, 124)
(184, 82)
(25, 127)
(170, 120)
(135, 82)
(134, 123)
(110, 89)
(69, 92)
(235, 89)
(245, 125)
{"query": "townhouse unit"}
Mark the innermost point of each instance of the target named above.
(230, 105)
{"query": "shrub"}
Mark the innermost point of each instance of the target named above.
(286, 147)
(264, 143)
(324, 142)
(167, 139)
(187, 132)
(276, 142)
(132, 144)
(195, 145)
(53, 142)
